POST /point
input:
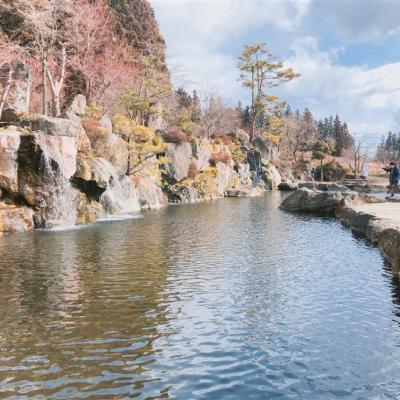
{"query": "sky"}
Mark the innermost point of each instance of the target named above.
(347, 52)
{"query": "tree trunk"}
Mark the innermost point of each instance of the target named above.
(322, 172)
(7, 87)
(44, 86)
(128, 167)
(56, 85)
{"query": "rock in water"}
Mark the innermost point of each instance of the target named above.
(315, 201)
(287, 186)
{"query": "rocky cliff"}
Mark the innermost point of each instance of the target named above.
(61, 172)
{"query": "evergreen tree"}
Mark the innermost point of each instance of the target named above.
(246, 117)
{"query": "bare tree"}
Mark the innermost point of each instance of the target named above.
(216, 116)
(43, 22)
(358, 155)
(300, 134)
(57, 84)
(9, 55)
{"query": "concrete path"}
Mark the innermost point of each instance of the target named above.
(387, 211)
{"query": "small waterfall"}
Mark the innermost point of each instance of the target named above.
(58, 208)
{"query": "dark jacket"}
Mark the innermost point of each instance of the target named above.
(394, 175)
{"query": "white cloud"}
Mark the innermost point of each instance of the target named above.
(200, 35)
(196, 30)
(360, 20)
(365, 97)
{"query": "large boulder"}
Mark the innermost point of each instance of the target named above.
(271, 177)
(9, 145)
(223, 179)
(76, 109)
(240, 135)
(112, 148)
(183, 194)
(269, 150)
(18, 100)
(44, 162)
(15, 219)
(201, 155)
(315, 201)
(151, 195)
(61, 149)
(244, 174)
(54, 126)
(121, 196)
(92, 176)
(179, 157)
(99, 180)
(106, 123)
(287, 186)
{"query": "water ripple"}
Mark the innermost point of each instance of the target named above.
(227, 300)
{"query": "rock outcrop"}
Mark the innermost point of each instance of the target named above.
(380, 223)
(179, 157)
(15, 219)
(316, 201)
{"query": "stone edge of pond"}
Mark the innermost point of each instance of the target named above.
(379, 231)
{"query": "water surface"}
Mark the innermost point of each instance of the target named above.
(233, 299)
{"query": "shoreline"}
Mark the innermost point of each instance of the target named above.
(379, 223)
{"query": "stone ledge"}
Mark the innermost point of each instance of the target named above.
(380, 223)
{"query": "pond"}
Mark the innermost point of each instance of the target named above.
(234, 299)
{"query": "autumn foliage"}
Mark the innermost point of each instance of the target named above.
(220, 157)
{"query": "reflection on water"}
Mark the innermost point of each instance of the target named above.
(227, 300)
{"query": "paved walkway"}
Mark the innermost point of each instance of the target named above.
(388, 211)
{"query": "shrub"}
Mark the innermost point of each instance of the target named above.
(93, 111)
(225, 139)
(204, 182)
(94, 129)
(332, 171)
(176, 136)
(238, 155)
(220, 156)
(193, 171)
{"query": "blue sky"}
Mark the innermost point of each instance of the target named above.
(347, 52)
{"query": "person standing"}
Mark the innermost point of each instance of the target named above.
(394, 176)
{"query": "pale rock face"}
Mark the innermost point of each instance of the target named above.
(241, 135)
(269, 151)
(201, 156)
(244, 175)
(112, 148)
(15, 219)
(121, 196)
(187, 194)
(98, 179)
(62, 149)
(55, 126)
(179, 158)
(224, 178)
(83, 143)
(20, 97)
(9, 144)
(106, 123)
(76, 110)
(151, 195)
(272, 177)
